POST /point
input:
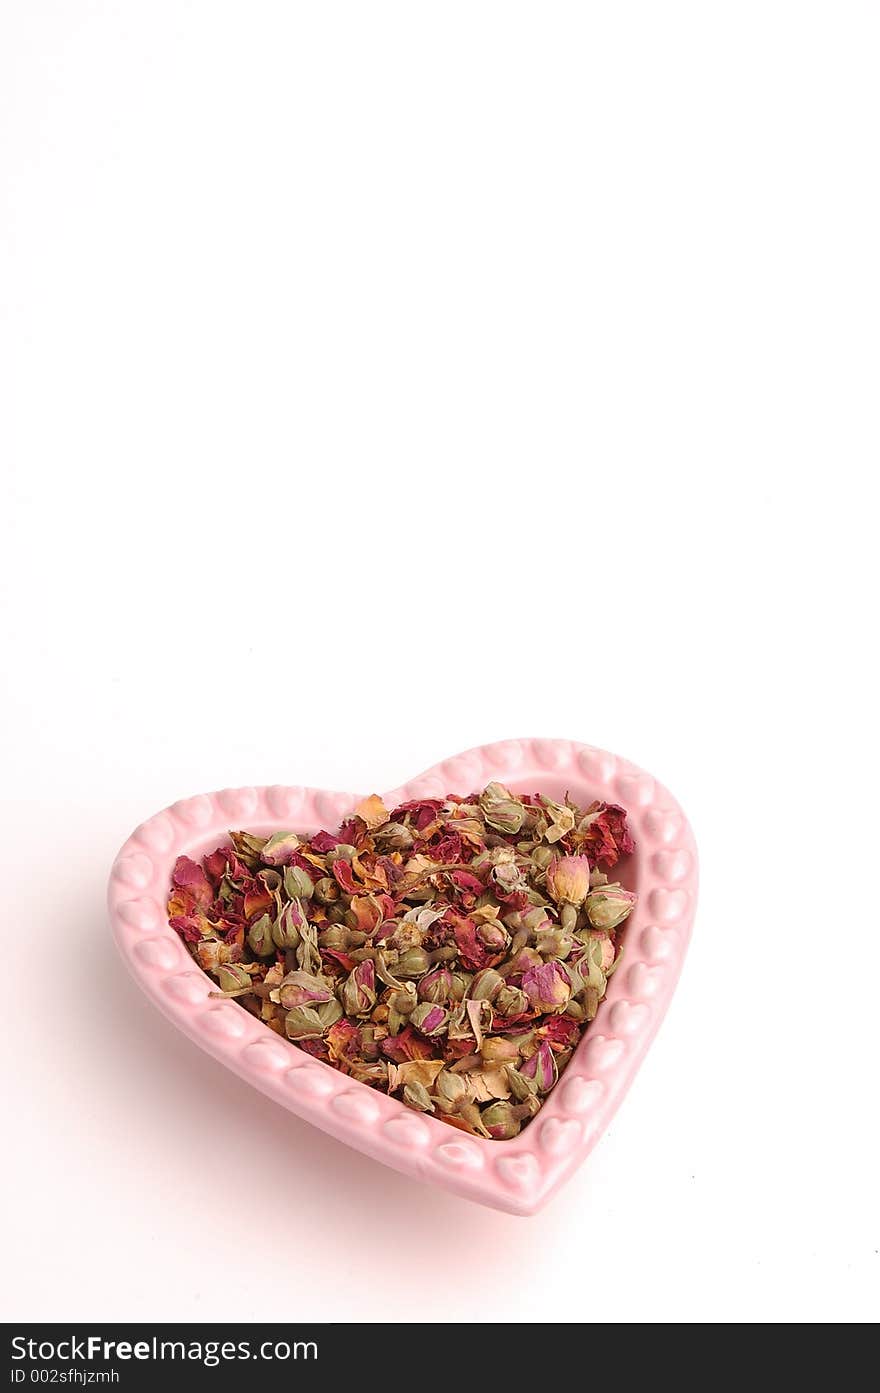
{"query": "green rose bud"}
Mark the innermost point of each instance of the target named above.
(500, 1121)
(298, 884)
(542, 856)
(401, 1004)
(342, 852)
(501, 810)
(303, 1023)
(511, 1001)
(609, 906)
(260, 937)
(413, 963)
(450, 1090)
(359, 989)
(233, 978)
(518, 1085)
(288, 927)
(326, 890)
(393, 837)
(415, 1095)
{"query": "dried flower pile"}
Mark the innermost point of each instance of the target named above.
(449, 952)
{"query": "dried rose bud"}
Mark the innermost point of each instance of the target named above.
(576, 976)
(369, 1043)
(260, 937)
(337, 938)
(519, 1086)
(500, 1049)
(413, 963)
(541, 1069)
(493, 936)
(404, 999)
(542, 856)
(359, 989)
(303, 1023)
(528, 1108)
(247, 847)
(548, 987)
(536, 920)
(288, 927)
(342, 851)
(511, 1001)
(600, 948)
(470, 1120)
(450, 1090)
(560, 818)
(608, 907)
(500, 1121)
(326, 890)
(568, 879)
(436, 986)
(279, 848)
(486, 985)
(506, 878)
(415, 1095)
(401, 1004)
(568, 917)
(303, 989)
(460, 983)
(298, 884)
(394, 836)
(525, 959)
(210, 953)
(308, 956)
(408, 934)
(554, 944)
(500, 809)
(232, 977)
(430, 1020)
(329, 1012)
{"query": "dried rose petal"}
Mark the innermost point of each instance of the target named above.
(605, 835)
(407, 1045)
(323, 842)
(372, 811)
(559, 1030)
(190, 877)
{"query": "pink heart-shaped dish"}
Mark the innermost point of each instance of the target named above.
(517, 1175)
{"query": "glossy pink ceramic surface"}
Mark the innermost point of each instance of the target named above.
(518, 1175)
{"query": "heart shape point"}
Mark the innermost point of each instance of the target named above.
(519, 1175)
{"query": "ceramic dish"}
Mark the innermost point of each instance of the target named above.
(518, 1175)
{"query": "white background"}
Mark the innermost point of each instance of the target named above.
(382, 379)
